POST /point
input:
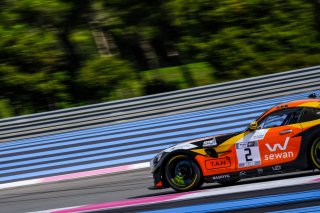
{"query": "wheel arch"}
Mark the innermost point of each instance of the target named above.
(170, 155)
(310, 161)
(309, 137)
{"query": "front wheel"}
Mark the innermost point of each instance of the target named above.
(315, 154)
(183, 174)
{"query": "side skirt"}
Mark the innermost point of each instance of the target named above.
(263, 171)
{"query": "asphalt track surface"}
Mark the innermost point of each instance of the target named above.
(130, 185)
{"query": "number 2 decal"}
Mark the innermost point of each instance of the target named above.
(248, 154)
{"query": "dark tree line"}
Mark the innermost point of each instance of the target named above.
(56, 54)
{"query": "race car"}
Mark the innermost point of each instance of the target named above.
(285, 138)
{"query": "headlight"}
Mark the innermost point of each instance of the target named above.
(155, 160)
(159, 156)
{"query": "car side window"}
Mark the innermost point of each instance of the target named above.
(280, 118)
(310, 114)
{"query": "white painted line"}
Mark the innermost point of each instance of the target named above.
(20, 183)
(52, 210)
(140, 165)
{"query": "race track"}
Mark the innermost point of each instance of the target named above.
(94, 158)
(133, 185)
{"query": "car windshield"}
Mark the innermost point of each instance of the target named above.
(278, 118)
(259, 117)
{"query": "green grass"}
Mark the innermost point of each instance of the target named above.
(202, 73)
(5, 109)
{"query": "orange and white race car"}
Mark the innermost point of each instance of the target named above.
(285, 138)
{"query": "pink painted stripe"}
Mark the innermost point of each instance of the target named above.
(85, 174)
(316, 180)
(75, 175)
(124, 203)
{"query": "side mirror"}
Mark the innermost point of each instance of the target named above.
(253, 125)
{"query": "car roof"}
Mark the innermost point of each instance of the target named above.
(311, 102)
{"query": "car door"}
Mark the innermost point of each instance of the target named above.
(274, 141)
(280, 143)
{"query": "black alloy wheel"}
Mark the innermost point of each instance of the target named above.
(315, 153)
(183, 174)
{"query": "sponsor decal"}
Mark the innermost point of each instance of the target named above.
(218, 163)
(260, 171)
(243, 173)
(252, 143)
(181, 146)
(279, 146)
(276, 168)
(283, 154)
(219, 177)
(259, 134)
(277, 156)
(212, 142)
(199, 139)
(254, 136)
(243, 145)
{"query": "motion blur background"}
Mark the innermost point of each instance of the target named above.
(57, 54)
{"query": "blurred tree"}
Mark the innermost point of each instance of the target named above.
(144, 34)
(103, 41)
(128, 22)
(103, 75)
(30, 76)
(244, 38)
(50, 50)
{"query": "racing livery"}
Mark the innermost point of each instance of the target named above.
(285, 138)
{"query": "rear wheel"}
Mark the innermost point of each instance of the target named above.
(183, 174)
(315, 154)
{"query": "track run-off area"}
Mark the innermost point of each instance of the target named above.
(127, 192)
(96, 158)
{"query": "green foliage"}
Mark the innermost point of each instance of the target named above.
(202, 73)
(56, 54)
(5, 109)
(240, 37)
(101, 76)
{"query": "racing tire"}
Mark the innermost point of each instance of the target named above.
(315, 154)
(228, 182)
(183, 173)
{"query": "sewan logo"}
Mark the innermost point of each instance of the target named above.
(279, 155)
(277, 145)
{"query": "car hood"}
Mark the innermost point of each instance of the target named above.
(210, 141)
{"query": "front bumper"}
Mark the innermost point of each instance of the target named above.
(157, 182)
